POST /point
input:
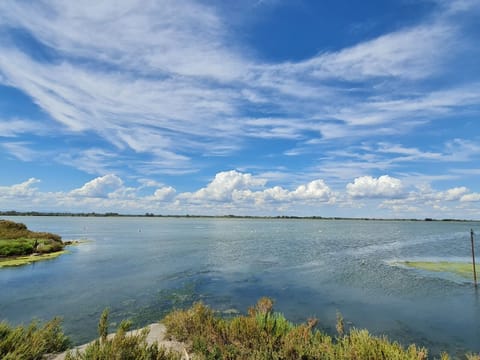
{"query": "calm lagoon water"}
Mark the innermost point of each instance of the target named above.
(142, 267)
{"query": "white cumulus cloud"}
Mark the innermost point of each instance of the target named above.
(99, 187)
(242, 188)
(368, 187)
(243, 193)
(454, 193)
(23, 189)
(473, 197)
(225, 184)
(163, 194)
(314, 190)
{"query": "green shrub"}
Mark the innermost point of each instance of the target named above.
(31, 342)
(121, 346)
(20, 246)
(103, 325)
(45, 246)
(17, 240)
(264, 334)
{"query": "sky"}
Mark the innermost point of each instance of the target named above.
(294, 107)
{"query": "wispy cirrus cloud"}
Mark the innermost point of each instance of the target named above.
(146, 34)
(12, 128)
(20, 150)
(413, 53)
(139, 47)
(162, 86)
(92, 161)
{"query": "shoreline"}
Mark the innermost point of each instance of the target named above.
(156, 334)
(229, 216)
(15, 261)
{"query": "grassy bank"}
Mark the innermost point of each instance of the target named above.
(19, 245)
(262, 334)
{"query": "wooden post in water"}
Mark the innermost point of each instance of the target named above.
(473, 258)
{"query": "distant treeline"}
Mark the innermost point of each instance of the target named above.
(115, 214)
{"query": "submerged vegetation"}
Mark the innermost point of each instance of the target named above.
(261, 334)
(19, 246)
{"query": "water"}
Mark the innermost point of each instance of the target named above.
(142, 267)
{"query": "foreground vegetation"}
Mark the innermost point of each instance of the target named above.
(31, 342)
(262, 334)
(18, 245)
(121, 345)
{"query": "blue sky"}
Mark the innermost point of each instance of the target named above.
(294, 107)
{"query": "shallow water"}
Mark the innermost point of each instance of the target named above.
(142, 267)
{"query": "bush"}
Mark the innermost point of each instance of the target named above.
(121, 345)
(17, 240)
(16, 247)
(31, 342)
(264, 334)
(48, 246)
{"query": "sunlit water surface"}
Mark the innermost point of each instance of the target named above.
(142, 267)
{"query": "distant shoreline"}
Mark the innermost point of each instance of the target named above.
(152, 215)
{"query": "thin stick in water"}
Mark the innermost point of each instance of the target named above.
(473, 258)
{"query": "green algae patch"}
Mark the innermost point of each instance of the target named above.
(459, 268)
(24, 260)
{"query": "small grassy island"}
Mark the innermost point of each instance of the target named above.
(19, 246)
